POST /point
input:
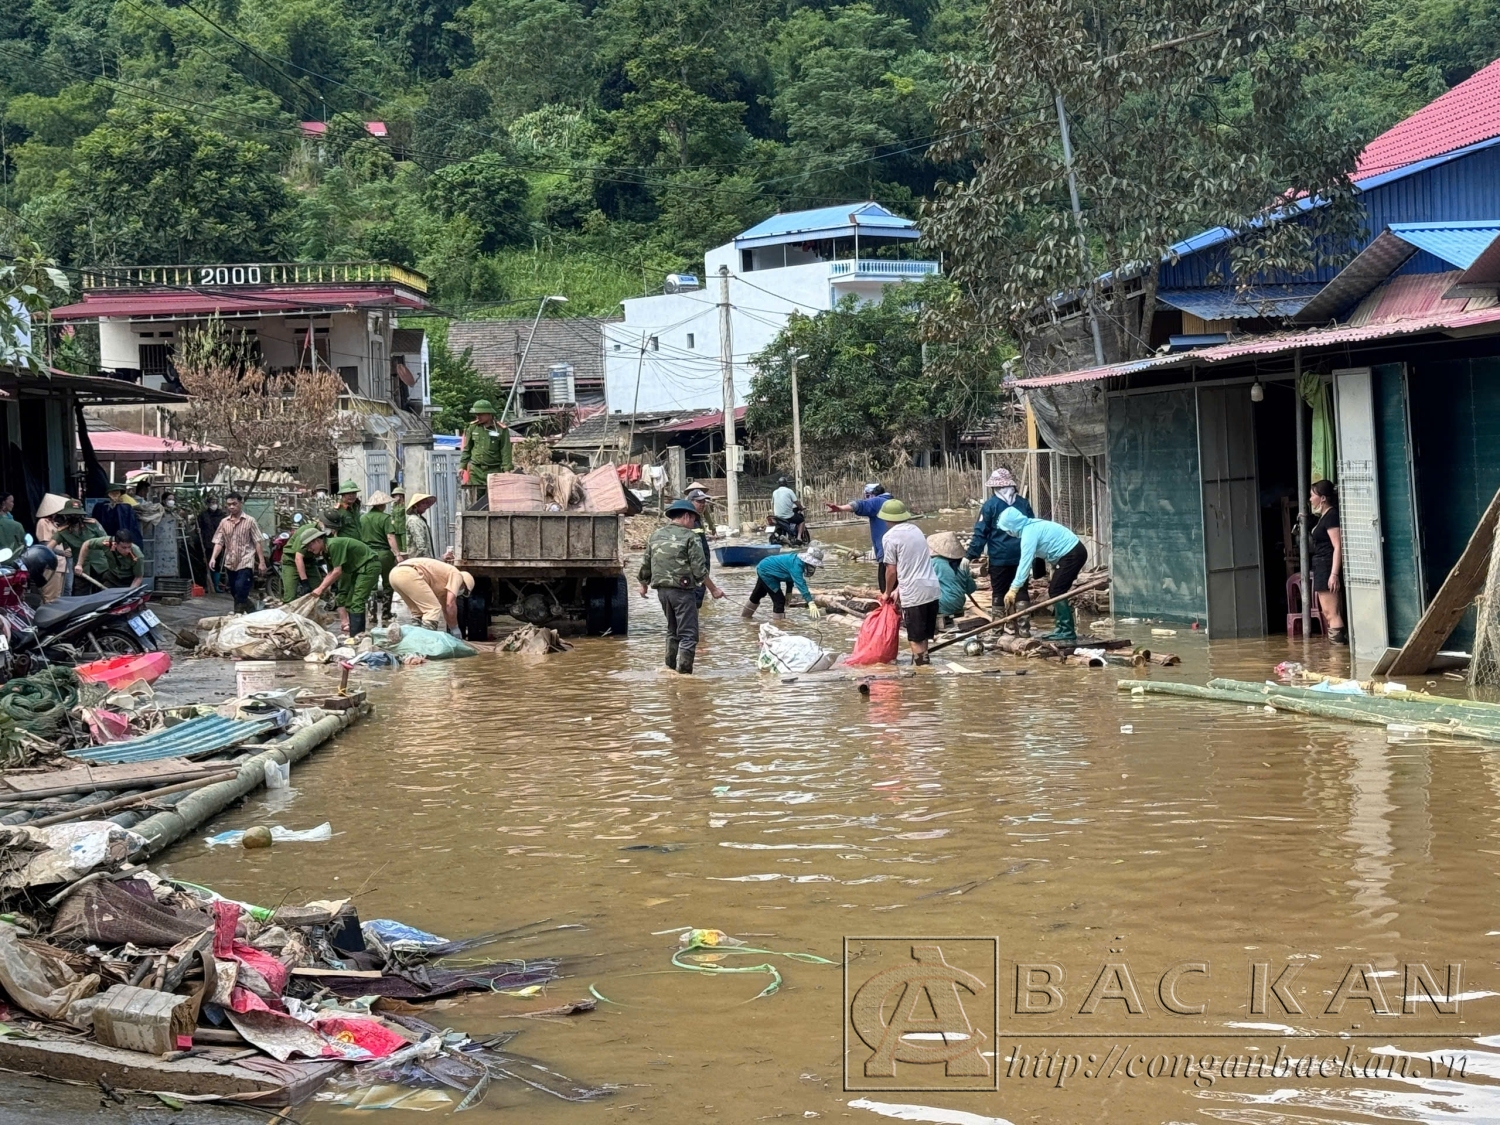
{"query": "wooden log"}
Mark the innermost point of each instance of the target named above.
(1457, 593)
(1027, 612)
(126, 802)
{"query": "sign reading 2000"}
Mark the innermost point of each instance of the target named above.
(228, 275)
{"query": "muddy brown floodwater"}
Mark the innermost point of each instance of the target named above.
(1079, 827)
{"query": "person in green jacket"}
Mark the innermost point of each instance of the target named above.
(398, 517)
(486, 450)
(675, 566)
(343, 517)
(953, 575)
(376, 533)
(113, 560)
(352, 571)
(74, 529)
(298, 567)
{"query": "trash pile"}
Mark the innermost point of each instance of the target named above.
(172, 970)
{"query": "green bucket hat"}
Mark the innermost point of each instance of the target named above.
(483, 406)
(347, 486)
(894, 511)
(115, 486)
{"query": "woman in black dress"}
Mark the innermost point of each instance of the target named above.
(1327, 558)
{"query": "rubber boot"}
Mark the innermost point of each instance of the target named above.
(778, 617)
(749, 611)
(1065, 630)
(356, 624)
(1023, 626)
(672, 655)
(685, 663)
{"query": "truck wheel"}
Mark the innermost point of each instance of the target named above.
(474, 622)
(619, 607)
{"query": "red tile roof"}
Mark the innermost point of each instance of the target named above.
(119, 443)
(1465, 115)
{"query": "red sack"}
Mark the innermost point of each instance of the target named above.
(879, 637)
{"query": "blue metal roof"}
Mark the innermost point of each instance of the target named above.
(1228, 303)
(1456, 243)
(205, 734)
(828, 222)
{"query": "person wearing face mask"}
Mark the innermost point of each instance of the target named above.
(1004, 550)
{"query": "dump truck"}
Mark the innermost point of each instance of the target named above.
(559, 569)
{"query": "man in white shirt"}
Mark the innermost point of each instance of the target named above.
(917, 587)
(789, 521)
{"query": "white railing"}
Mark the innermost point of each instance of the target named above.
(249, 274)
(881, 267)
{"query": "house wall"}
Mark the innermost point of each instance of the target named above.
(1156, 506)
(676, 376)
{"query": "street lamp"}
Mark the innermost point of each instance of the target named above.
(797, 424)
(516, 381)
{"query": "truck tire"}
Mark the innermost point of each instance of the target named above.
(607, 606)
(474, 621)
(619, 607)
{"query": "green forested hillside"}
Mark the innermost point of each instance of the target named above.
(531, 145)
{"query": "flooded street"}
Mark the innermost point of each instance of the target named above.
(1076, 824)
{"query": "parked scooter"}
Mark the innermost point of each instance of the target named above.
(112, 622)
(789, 533)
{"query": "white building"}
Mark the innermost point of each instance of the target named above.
(665, 354)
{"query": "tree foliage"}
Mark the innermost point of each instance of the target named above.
(1186, 117)
(868, 385)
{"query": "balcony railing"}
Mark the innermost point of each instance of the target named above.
(250, 275)
(880, 267)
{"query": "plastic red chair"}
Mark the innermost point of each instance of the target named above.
(1294, 608)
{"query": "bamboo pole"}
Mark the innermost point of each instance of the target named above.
(125, 802)
(1094, 584)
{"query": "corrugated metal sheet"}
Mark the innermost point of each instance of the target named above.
(1370, 267)
(204, 735)
(828, 222)
(1278, 344)
(1467, 113)
(1457, 243)
(1409, 297)
(1229, 303)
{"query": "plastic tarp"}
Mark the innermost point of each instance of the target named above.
(43, 983)
(1070, 417)
(786, 652)
(113, 913)
(431, 643)
(64, 852)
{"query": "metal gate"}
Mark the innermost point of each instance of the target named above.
(1231, 513)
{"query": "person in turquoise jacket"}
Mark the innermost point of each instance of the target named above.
(1004, 550)
(1063, 552)
(777, 575)
(953, 573)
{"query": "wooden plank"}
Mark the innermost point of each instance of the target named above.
(1459, 589)
(83, 778)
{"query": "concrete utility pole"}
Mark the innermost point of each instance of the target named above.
(797, 425)
(520, 363)
(1083, 243)
(726, 359)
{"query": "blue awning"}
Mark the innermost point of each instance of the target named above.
(866, 219)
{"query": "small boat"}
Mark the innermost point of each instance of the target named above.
(744, 554)
(118, 671)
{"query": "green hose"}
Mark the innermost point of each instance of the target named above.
(40, 702)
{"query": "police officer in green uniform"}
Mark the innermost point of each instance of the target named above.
(74, 529)
(114, 560)
(675, 565)
(353, 572)
(343, 517)
(293, 584)
(376, 533)
(398, 517)
(486, 450)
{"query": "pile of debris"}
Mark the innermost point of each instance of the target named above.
(136, 974)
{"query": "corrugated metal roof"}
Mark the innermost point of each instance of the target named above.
(1457, 243)
(1483, 274)
(494, 346)
(123, 441)
(1229, 303)
(1276, 344)
(1370, 267)
(1467, 113)
(275, 299)
(828, 222)
(204, 735)
(1412, 296)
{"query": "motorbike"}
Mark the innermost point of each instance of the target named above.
(112, 622)
(789, 533)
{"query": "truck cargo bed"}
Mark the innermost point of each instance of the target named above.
(540, 540)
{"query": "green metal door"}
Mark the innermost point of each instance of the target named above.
(1156, 505)
(1400, 523)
